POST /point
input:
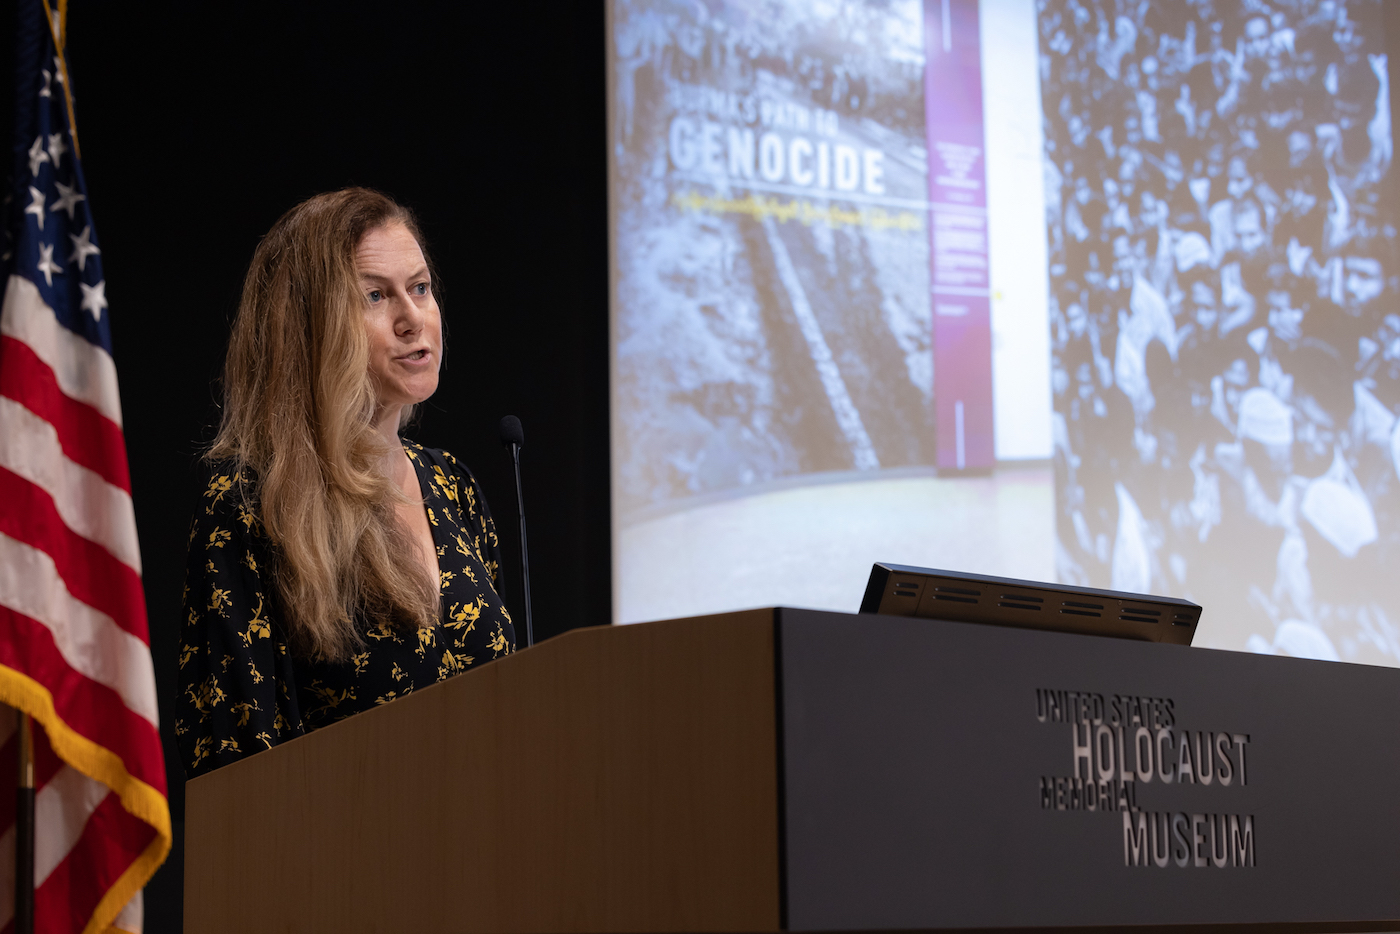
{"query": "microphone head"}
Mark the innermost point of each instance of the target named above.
(511, 432)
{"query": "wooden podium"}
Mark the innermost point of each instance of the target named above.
(798, 770)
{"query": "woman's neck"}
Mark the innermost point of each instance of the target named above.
(396, 464)
(386, 422)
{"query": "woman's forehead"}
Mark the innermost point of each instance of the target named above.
(388, 251)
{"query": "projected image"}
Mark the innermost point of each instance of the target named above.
(772, 309)
(829, 304)
(1226, 368)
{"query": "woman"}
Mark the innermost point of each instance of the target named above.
(333, 566)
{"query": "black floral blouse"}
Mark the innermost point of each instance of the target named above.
(242, 691)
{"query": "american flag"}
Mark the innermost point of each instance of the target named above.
(74, 649)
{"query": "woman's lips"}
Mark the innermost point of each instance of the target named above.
(417, 358)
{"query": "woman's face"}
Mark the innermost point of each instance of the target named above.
(401, 316)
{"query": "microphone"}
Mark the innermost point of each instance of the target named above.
(513, 437)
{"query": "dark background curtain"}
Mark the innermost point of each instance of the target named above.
(201, 124)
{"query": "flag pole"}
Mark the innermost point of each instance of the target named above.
(24, 831)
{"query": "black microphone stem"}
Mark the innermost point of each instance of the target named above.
(524, 549)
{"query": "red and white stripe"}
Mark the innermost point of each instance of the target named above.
(72, 612)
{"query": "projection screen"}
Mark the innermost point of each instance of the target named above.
(1099, 292)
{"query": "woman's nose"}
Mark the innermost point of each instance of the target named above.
(410, 317)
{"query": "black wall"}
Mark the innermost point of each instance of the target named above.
(201, 124)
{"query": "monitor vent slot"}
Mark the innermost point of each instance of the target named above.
(1081, 613)
(1183, 619)
(906, 589)
(1022, 598)
(1019, 606)
(1136, 619)
(1083, 606)
(956, 594)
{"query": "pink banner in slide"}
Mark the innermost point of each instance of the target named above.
(957, 185)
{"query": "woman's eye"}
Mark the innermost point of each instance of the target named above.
(420, 289)
(375, 295)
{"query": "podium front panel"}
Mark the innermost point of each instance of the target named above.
(949, 775)
(610, 779)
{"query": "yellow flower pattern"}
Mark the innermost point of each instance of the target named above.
(218, 486)
(464, 616)
(248, 517)
(244, 711)
(452, 664)
(257, 626)
(498, 640)
(244, 687)
(427, 638)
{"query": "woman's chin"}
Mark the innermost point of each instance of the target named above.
(406, 391)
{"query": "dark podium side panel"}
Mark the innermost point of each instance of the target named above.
(930, 781)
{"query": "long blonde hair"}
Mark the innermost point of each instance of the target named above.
(298, 406)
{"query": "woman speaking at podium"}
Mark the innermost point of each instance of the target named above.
(333, 566)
